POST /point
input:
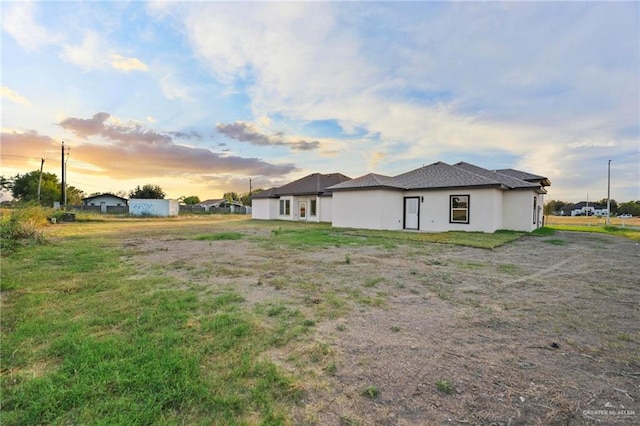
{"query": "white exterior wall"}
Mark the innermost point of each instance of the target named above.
(264, 208)
(485, 210)
(384, 209)
(368, 209)
(325, 209)
(518, 210)
(149, 207)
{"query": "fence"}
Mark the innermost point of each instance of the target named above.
(184, 209)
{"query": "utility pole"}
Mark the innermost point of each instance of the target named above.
(609, 194)
(249, 187)
(40, 178)
(62, 188)
(65, 174)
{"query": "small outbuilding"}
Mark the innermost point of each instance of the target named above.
(153, 207)
(104, 201)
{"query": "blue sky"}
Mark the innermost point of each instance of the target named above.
(198, 97)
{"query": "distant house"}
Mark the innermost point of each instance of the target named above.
(218, 203)
(104, 201)
(304, 199)
(584, 208)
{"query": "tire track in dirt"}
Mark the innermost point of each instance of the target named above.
(541, 272)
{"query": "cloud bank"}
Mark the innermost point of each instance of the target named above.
(247, 132)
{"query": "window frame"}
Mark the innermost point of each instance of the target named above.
(285, 207)
(467, 209)
(313, 207)
(535, 210)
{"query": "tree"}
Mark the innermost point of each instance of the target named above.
(25, 187)
(246, 197)
(613, 205)
(192, 199)
(630, 207)
(231, 196)
(554, 207)
(74, 196)
(147, 191)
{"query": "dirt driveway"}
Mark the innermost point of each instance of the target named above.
(540, 331)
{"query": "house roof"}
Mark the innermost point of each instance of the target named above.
(370, 180)
(267, 193)
(106, 194)
(217, 201)
(582, 204)
(505, 179)
(211, 201)
(442, 175)
(313, 184)
(529, 177)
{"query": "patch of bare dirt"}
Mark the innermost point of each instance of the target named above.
(542, 331)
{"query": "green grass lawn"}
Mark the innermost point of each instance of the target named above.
(627, 232)
(84, 341)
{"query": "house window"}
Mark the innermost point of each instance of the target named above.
(459, 208)
(312, 207)
(285, 207)
(535, 209)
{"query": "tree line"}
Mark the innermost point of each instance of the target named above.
(45, 188)
(554, 207)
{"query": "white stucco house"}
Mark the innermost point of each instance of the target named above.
(104, 201)
(584, 208)
(441, 197)
(304, 199)
(435, 198)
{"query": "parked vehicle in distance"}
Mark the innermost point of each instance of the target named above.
(625, 216)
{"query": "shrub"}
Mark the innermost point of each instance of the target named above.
(21, 227)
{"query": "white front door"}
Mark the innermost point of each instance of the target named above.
(302, 210)
(411, 210)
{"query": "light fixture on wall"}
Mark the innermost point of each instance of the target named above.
(422, 199)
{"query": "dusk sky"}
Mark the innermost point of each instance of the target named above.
(198, 97)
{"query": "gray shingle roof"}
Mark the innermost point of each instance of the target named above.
(267, 193)
(505, 179)
(443, 175)
(370, 180)
(315, 183)
(525, 176)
